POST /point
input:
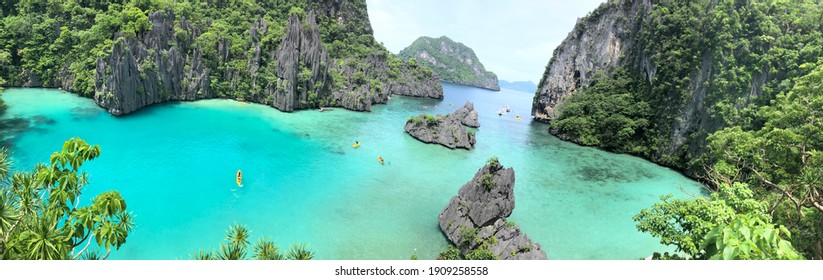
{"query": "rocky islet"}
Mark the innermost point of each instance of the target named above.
(476, 217)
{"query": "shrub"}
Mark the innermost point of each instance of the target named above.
(451, 253)
(487, 181)
(481, 254)
(431, 120)
(510, 224)
(494, 163)
(467, 234)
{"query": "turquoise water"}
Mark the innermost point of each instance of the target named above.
(175, 163)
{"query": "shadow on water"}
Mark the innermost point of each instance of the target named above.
(10, 128)
(605, 173)
(42, 120)
(85, 113)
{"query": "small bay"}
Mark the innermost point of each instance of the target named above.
(174, 164)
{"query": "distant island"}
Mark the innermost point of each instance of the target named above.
(452, 62)
(524, 86)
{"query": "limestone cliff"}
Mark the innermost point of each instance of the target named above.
(148, 70)
(476, 216)
(291, 55)
(599, 42)
(452, 61)
(698, 65)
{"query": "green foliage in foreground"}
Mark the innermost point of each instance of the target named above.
(450, 253)
(236, 246)
(781, 163)
(481, 253)
(730, 224)
(782, 159)
(41, 217)
(749, 238)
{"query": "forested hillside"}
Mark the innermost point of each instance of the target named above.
(289, 54)
(452, 61)
(728, 91)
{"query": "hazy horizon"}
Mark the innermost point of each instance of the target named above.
(514, 39)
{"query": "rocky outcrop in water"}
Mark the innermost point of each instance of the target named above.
(467, 115)
(477, 216)
(445, 130)
(452, 61)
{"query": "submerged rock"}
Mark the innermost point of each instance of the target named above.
(444, 130)
(476, 217)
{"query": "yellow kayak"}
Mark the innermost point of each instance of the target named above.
(355, 145)
(380, 159)
(239, 177)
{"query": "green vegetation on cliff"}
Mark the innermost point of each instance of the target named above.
(729, 91)
(711, 66)
(452, 61)
(117, 50)
(607, 115)
(4, 58)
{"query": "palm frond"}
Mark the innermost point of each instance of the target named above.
(300, 251)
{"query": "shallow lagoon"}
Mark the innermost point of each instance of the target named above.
(174, 163)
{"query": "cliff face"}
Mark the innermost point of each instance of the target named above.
(698, 65)
(148, 70)
(452, 61)
(319, 53)
(599, 42)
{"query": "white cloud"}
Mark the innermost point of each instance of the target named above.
(514, 39)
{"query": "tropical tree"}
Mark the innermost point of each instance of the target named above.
(730, 224)
(236, 248)
(783, 158)
(41, 216)
(749, 238)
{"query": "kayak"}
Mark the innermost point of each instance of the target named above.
(355, 145)
(239, 177)
(380, 159)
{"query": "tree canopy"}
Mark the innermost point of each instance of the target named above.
(236, 246)
(42, 217)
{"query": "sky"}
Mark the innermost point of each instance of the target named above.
(512, 38)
